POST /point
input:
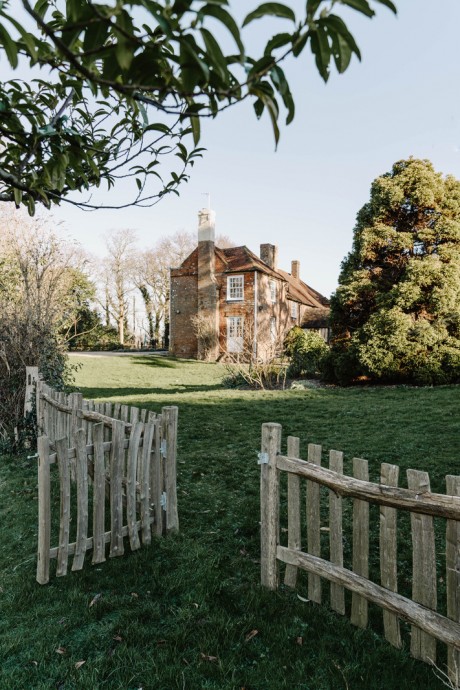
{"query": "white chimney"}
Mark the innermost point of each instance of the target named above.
(206, 225)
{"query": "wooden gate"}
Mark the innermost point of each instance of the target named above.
(427, 625)
(125, 470)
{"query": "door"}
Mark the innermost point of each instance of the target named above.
(235, 334)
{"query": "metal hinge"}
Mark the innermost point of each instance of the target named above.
(163, 448)
(262, 458)
(163, 500)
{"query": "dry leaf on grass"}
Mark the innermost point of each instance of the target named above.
(79, 664)
(118, 638)
(135, 595)
(207, 657)
(302, 598)
(250, 635)
(61, 650)
(94, 600)
(299, 640)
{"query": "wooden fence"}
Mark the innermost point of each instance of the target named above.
(420, 611)
(114, 456)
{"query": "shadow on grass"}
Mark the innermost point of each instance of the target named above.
(118, 392)
(156, 361)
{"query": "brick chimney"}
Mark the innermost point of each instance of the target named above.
(295, 269)
(208, 299)
(269, 255)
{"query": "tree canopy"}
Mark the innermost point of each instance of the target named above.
(396, 313)
(116, 90)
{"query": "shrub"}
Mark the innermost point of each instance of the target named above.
(306, 350)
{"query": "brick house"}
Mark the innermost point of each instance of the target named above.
(245, 303)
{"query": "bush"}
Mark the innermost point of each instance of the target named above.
(307, 350)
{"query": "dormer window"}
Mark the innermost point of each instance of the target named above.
(235, 288)
(272, 284)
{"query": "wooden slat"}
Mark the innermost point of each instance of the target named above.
(359, 607)
(424, 591)
(336, 533)
(82, 500)
(116, 411)
(143, 415)
(64, 523)
(107, 410)
(433, 623)
(314, 523)
(453, 580)
(89, 427)
(157, 476)
(144, 478)
(89, 542)
(389, 475)
(169, 417)
(75, 403)
(98, 494)
(117, 462)
(134, 414)
(426, 503)
(44, 511)
(269, 505)
(133, 453)
(124, 413)
(294, 540)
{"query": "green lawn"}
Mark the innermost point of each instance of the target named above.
(181, 614)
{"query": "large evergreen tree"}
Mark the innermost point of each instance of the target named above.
(396, 312)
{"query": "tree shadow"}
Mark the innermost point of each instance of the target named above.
(117, 392)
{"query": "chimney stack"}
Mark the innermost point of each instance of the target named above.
(206, 225)
(295, 269)
(269, 255)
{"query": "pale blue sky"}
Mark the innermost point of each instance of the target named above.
(401, 100)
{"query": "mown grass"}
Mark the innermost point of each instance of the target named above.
(181, 614)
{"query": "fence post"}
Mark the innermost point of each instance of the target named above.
(31, 382)
(269, 504)
(44, 511)
(169, 417)
(453, 579)
(290, 575)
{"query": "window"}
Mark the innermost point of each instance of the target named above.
(235, 287)
(272, 285)
(273, 329)
(294, 310)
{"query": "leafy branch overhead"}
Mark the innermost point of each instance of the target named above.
(116, 90)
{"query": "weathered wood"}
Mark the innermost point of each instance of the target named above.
(61, 429)
(134, 415)
(90, 425)
(31, 383)
(64, 521)
(106, 410)
(336, 532)
(294, 534)
(143, 415)
(424, 502)
(89, 542)
(169, 416)
(40, 405)
(359, 607)
(423, 646)
(157, 476)
(149, 431)
(269, 505)
(453, 580)
(44, 511)
(117, 457)
(116, 411)
(314, 523)
(98, 494)
(389, 475)
(75, 403)
(133, 453)
(82, 500)
(124, 413)
(431, 622)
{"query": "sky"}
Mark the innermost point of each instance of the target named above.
(402, 100)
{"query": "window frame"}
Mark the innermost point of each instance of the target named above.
(230, 288)
(272, 286)
(294, 310)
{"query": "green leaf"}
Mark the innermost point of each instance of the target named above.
(360, 5)
(335, 24)
(388, 4)
(277, 41)
(10, 47)
(225, 18)
(31, 206)
(274, 9)
(196, 127)
(17, 193)
(341, 52)
(321, 49)
(312, 6)
(215, 55)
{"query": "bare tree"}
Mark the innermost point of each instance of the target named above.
(117, 277)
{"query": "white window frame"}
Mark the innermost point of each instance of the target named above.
(235, 288)
(294, 309)
(273, 290)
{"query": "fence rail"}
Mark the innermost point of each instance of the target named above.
(427, 625)
(118, 459)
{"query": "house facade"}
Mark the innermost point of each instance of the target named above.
(230, 302)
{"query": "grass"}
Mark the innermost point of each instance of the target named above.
(182, 613)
